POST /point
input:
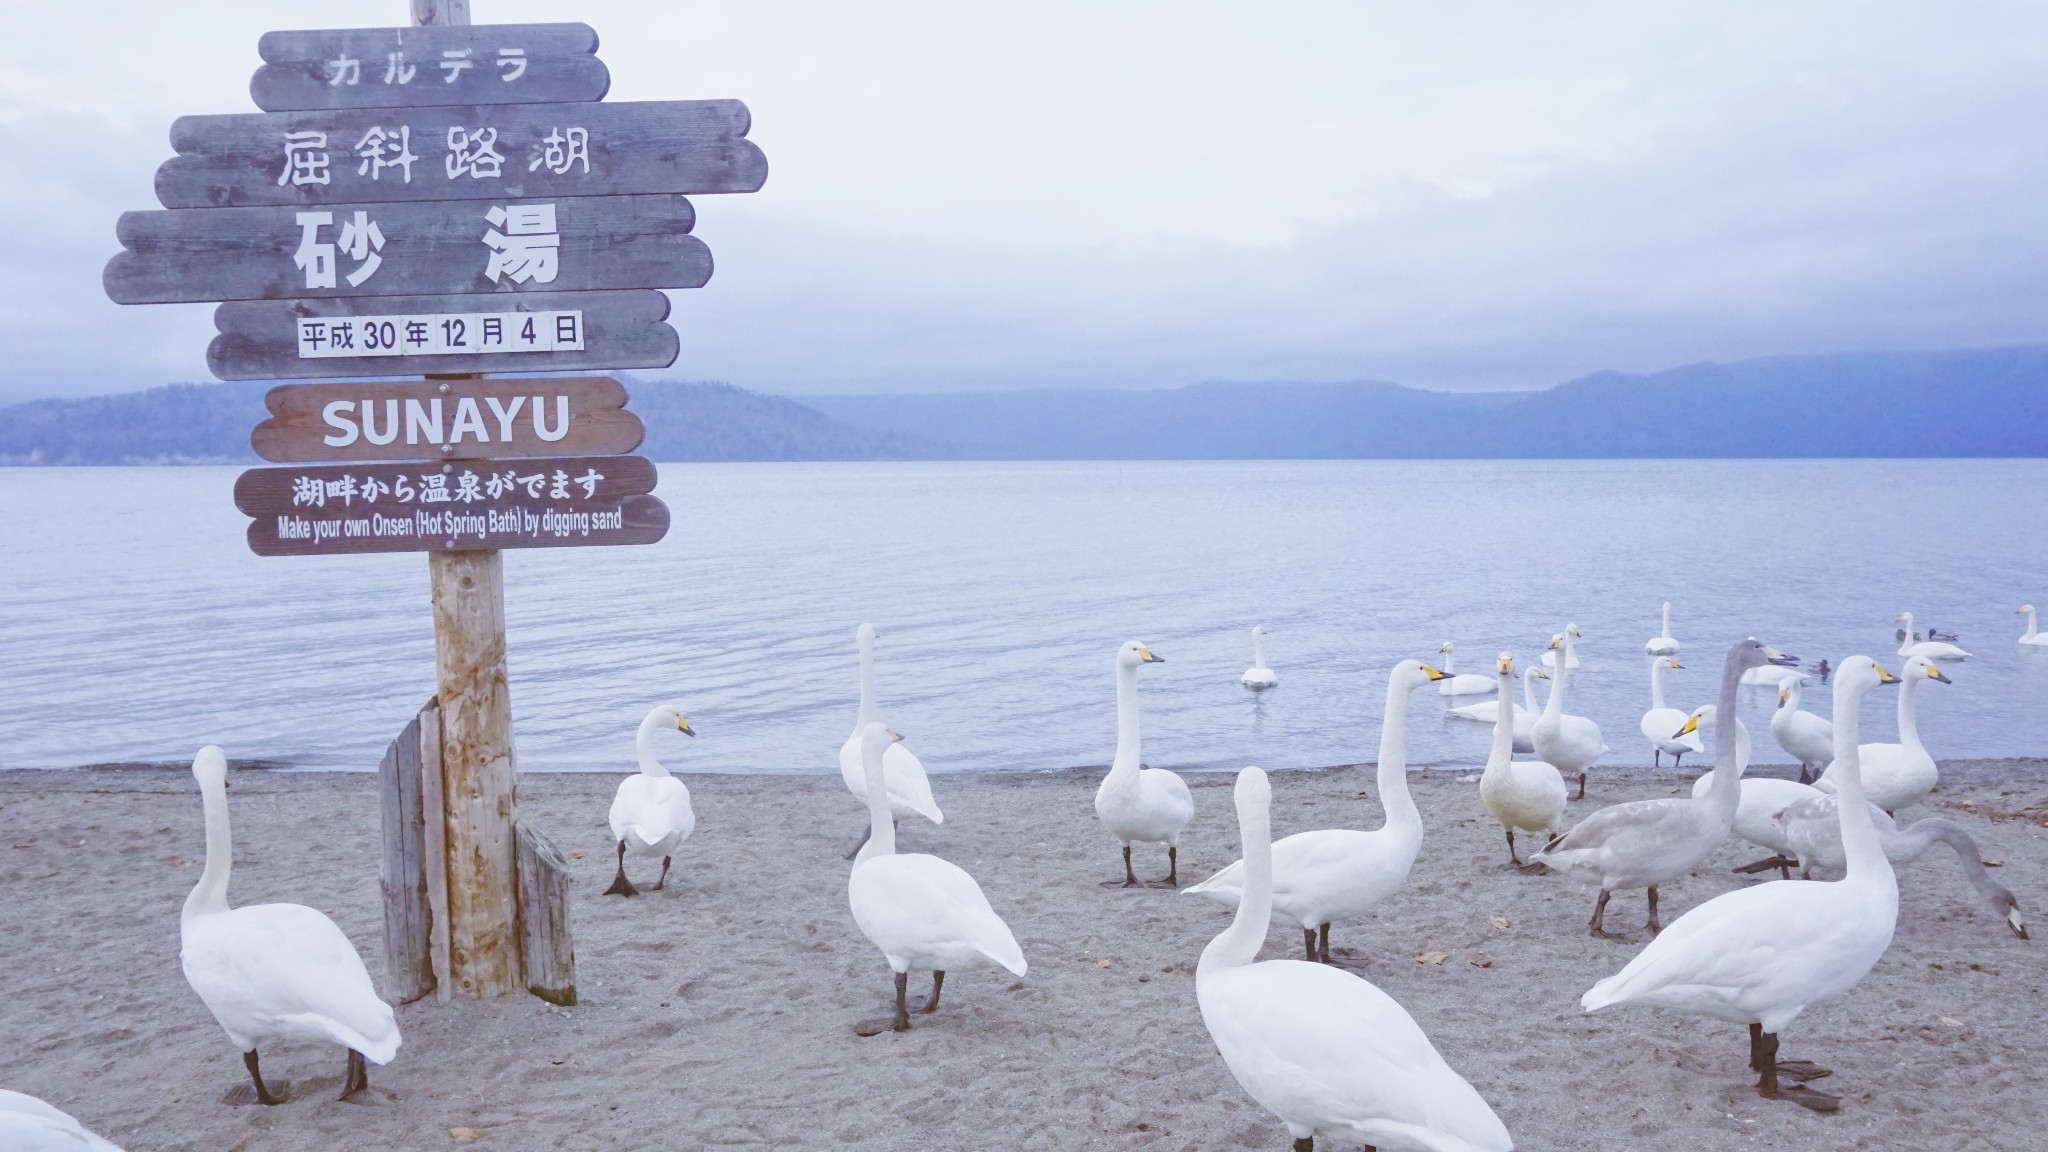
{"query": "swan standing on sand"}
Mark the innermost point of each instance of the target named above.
(1761, 956)
(910, 792)
(1327, 1053)
(1258, 675)
(1139, 804)
(1456, 684)
(1335, 874)
(29, 1125)
(651, 814)
(1527, 794)
(1525, 713)
(1762, 798)
(1662, 644)
(1646, 843)
(1930, 648)
(1660, 722)
(275, 972)
(2032, 635)
(1814, 831)
(1809, 738)
(1567, 743)
(1898, 775)
(921, 911)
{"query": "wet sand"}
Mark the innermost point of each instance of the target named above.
(719, 1012)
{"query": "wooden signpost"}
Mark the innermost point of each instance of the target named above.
(444, 200)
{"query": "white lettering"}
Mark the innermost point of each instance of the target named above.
(336, 416)
(468, 419)
(390, 432)
(417, 421)
(505, 416)
(561, 428)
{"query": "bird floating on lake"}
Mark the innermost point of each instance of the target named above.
(1258, 675)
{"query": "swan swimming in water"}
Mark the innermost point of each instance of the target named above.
(1326, 1052)
(1525, 794)
(1460, 684)
(651, 814)
(924, 913)
(1258, 675)
(1662, 644)
(1761, 956)
(1139, 804)
(275, 972)
(1912, 645)
(1525, 713)
(910, 791)
(2032, 636)
(1335, 874)
(1557, 643)
(29, 1125)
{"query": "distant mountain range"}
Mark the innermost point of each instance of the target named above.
(1991, 402)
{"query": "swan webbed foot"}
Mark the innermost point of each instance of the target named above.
(620, 885)
(663, 882)
(262, 1094)
(1305, 1144)
(1764, 1057)
(1802, 1070)
(897, 1023)
(1782, 863)
(938, 982)
(358, 1076)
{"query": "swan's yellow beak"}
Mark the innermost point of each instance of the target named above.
(1433, 673)
(893, 737)
(1692, 725)
(1670, 663)
(1572, 628)
(1145, 656)
(1784, 694)
(1444, 647)
(683, 726)
(1899, 619)
(1542, 675)
(1507, 664)
(1934, 673)
(1557, 641)
(1883, 677)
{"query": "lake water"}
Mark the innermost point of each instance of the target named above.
(137, 626)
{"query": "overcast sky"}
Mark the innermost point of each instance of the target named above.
(1151, 193)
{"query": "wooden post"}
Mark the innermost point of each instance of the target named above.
(405, 870)
(435, 805)
(547, 952)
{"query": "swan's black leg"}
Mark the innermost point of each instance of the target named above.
(663, 882)
(1599, 914)
(1769, 1070)
(1675, 758)
(1172, 866)
(901, 1021)
(1582, 785)
(620, 885)
(1653, 925)
(1308, 941)
(1324, 947)
(1756, 1044)
(263, 1095)
(358, 1077)
(1130, 879)
(938, 982)
(1513, 860)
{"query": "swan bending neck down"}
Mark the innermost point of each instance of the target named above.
(275, 972)
(1763, 955)
(1812, 830)
(1648, 842)
(1258, 675)
(909, 789)
(29, 1125)
(1334, 874)
(651, 813)
(1139, 804)
(921, 911)
(1326, 1052)
(1526, 794)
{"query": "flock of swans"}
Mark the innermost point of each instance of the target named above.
(1323, 1049)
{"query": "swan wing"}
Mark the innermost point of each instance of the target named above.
(29, 1125)
(287, 971)
(909, 787)
(914, 905)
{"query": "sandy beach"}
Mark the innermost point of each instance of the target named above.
(719, 1013)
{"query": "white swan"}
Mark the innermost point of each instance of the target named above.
(1567, 743)
(651, 814)
(1809, 739)
(1460, 684)
(1932, 649)
(1762, 798)
(29, 1125)
(924, 913)
(1139, 804)
(1557, 641)
(1898, 775)
(1647, 843)
(1662, 644)
(1327, 1053)
(1258, 675)
(1814, 830)
(1486, 711)
(1335, 874)
(2032, 635)
(910, 791)
(1526, 794)
(1770, 676)
(275, 972)
(1660, 722)
(1763, 955)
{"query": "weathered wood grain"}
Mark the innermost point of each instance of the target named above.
(434, 806)
(259, 339)
(433, 248)
(477, 770)
(547, 949)
(403, 67)
(402, 871)
(326, 422)
(635, 147)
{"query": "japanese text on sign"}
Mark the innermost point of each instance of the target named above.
(472, 153)
(441, 334)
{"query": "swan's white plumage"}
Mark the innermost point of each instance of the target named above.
(910, 790)
(1931, 649)
(651, 813)
(1663, 644)
(1258, 675)
(1139, 804)
(1325, 1051)
(1529, 794)
(29, 1125)
(1812, 830)
(1457, 683)
(1526, 712)
(1660, 724)
(1898, 775)
(2033, 635)
(1566, 742)
(1763, 797)
(273, 972)
(1810, 739)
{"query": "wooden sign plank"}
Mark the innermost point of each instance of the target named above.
(527, 332)
(438, 248)
(461, 153)
(416, 67)
(448, 420)
(335, 509)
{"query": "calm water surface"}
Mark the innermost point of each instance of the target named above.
(135, 625)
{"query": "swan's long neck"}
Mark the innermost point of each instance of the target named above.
(2030, 633)
(881, 822)
(1909, 723)
(1726, 790)
(1554, 707)
(1126, 762)
(1914, 841)
(1528, 690)
(1503, 749)
(210, 895)
(1865, 855)
(1238, 945)
(1450, 659)
(1657, 682)
(1792, 694)
(1393, 766)
(1258, 650)
(643, 745)
(869, 712)
(1667, 619)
